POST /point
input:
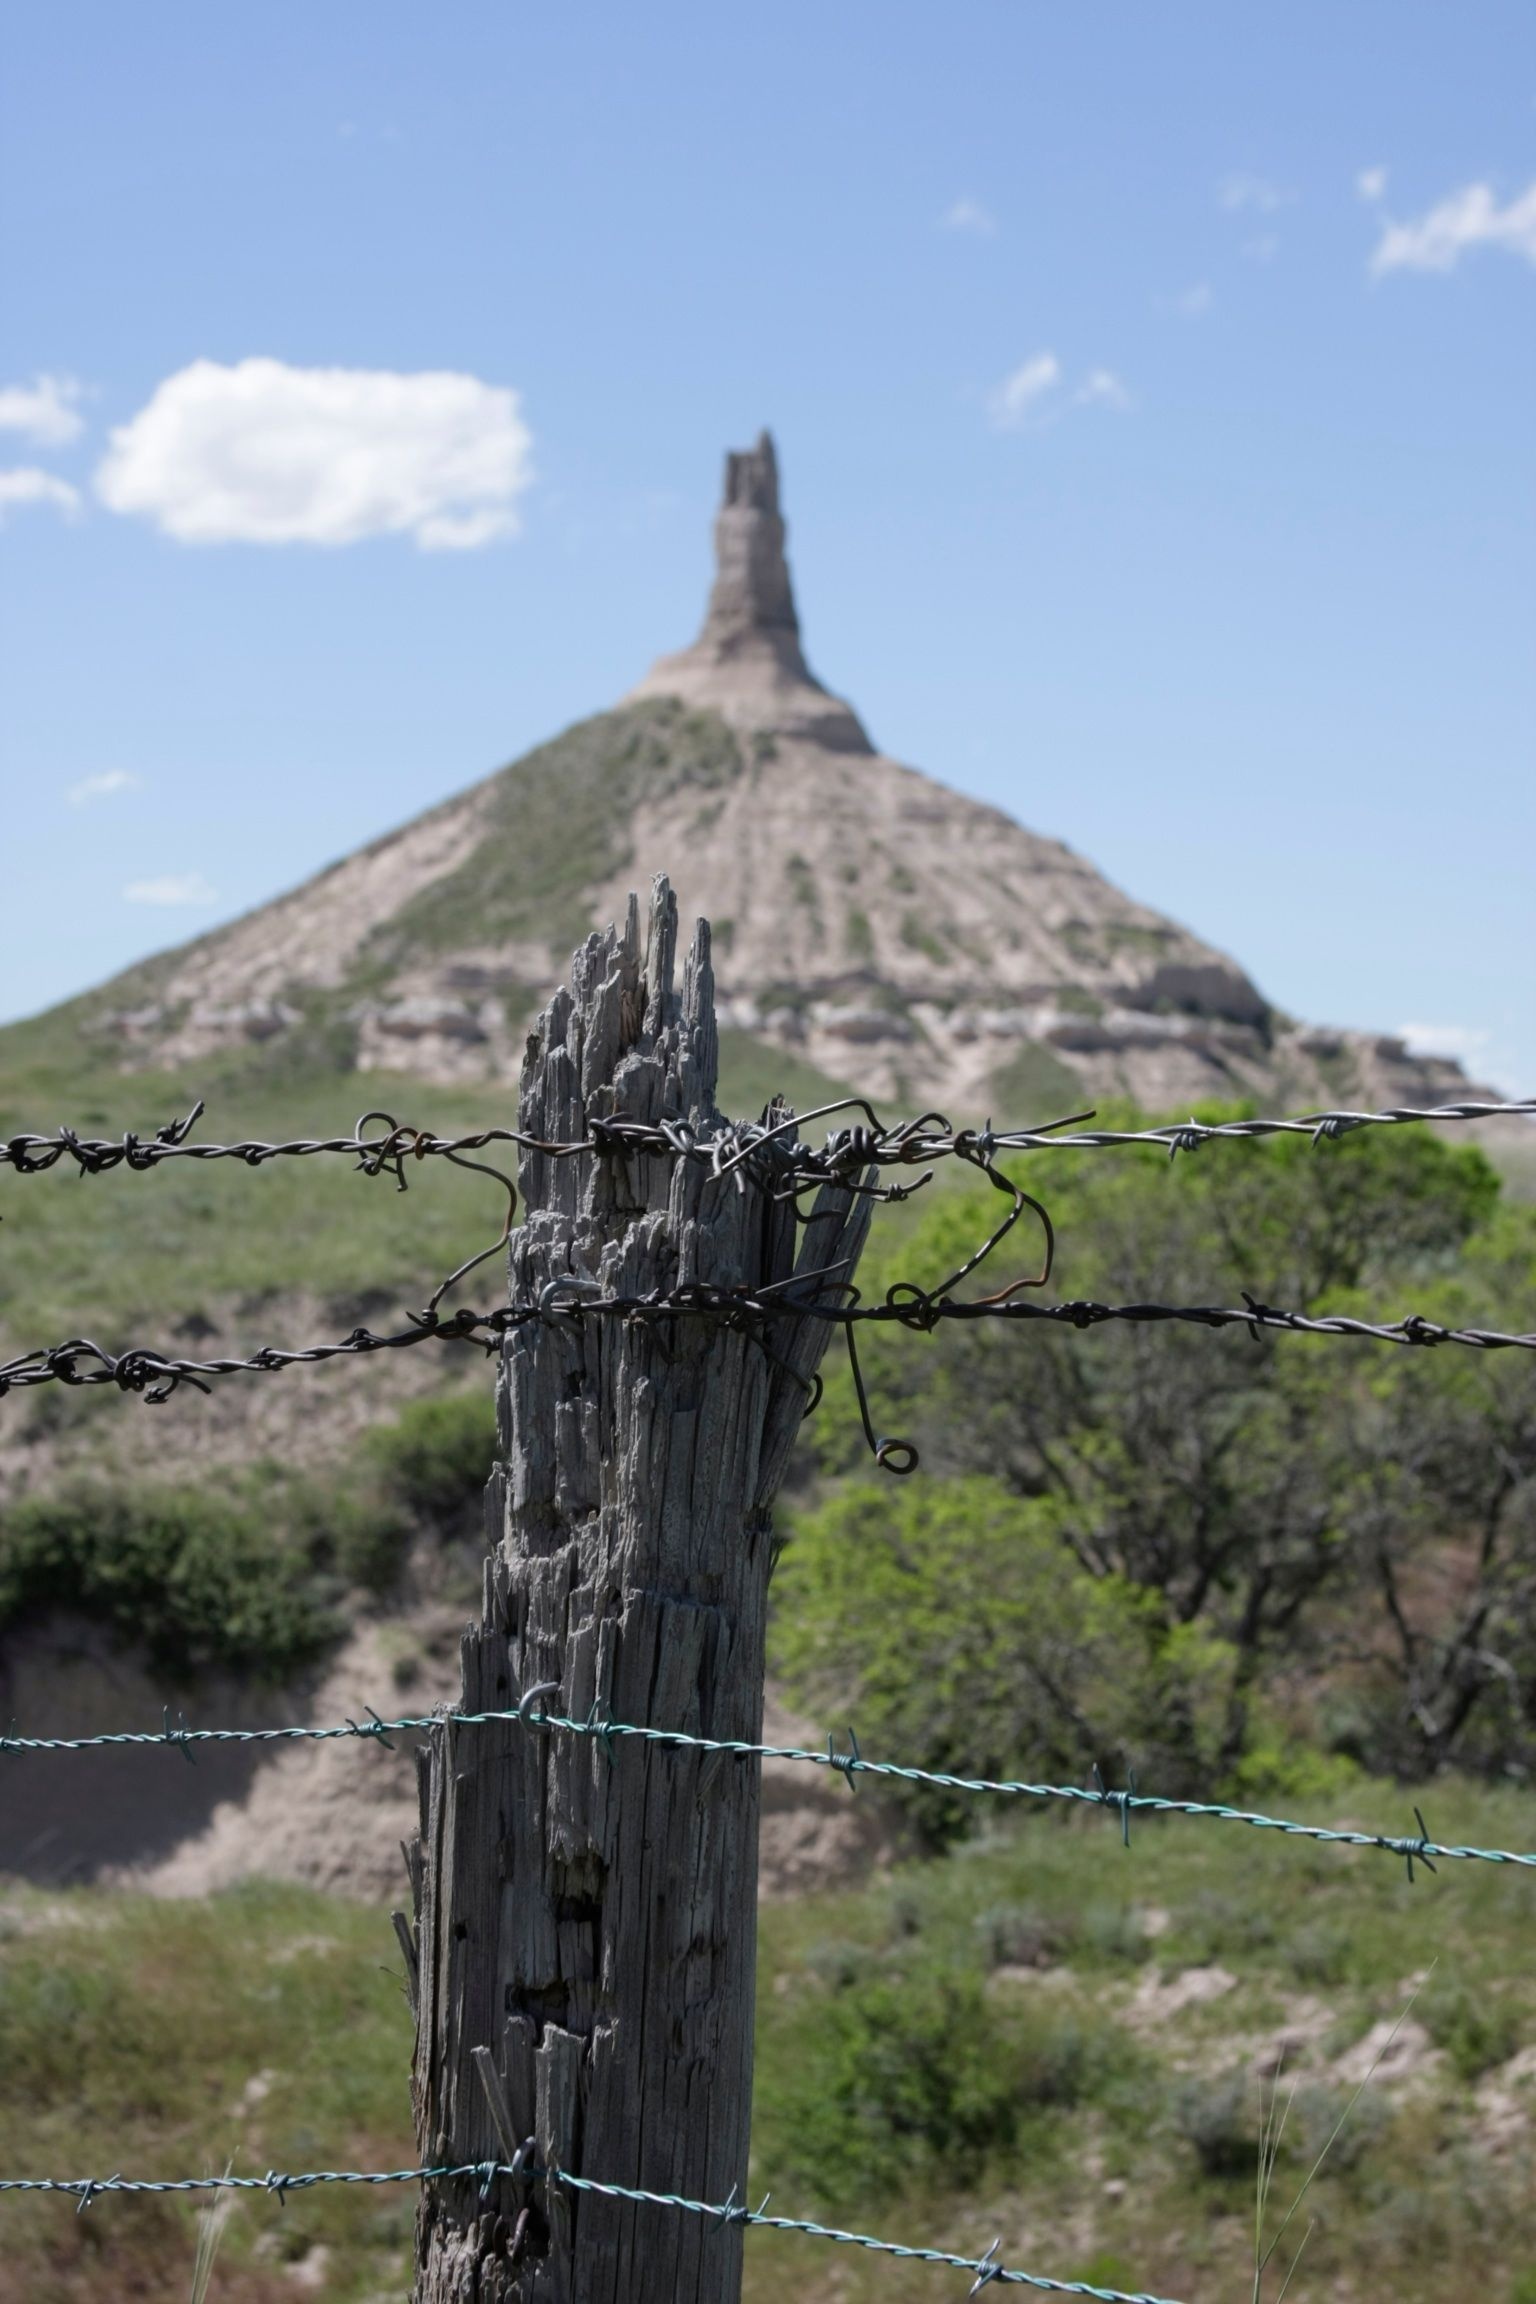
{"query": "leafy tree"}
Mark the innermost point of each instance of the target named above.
(1439, 1501)
(953, 1623)
(1299, 1501)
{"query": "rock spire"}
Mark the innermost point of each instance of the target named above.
(752, 600)
(747, 663)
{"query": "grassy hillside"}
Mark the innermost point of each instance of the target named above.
(1041, 2036)
(192, 1242)
(556, 825)
(545, 831)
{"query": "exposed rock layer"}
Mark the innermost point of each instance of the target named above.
(892, 933)
(747, 663)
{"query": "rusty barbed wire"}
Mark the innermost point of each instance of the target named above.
(848, 1160)
(155, 1375)
(931, 1136)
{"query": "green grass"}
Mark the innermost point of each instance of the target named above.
(104, 1255)
(1133, 2144)
(950, 2052)
(132, 1255)
(140, 1254)
(558, 824)
(164, 2039)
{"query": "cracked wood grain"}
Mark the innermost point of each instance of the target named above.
(586, 1918)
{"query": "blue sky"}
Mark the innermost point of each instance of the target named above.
(1153, 388)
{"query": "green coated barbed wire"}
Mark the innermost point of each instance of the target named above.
(84, 2189)
(1418, 1848)
(986, 2268)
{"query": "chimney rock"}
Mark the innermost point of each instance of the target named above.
(747, 663)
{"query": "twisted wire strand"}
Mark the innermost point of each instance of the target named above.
(155, 1376)
(851, 1157)
(1417, 1848)
(986, 2268)
(1322, 1127)
(84, 2189)
(930, 1137)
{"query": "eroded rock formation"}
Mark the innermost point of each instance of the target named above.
(872, 923)
(747, 663)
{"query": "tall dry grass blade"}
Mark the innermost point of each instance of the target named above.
(1295, 2260)
(1337, 2128)
(1271, 2131)
(211, 2223)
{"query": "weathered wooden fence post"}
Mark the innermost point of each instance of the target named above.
(586, 1916)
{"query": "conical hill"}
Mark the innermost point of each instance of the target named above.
(871, 924)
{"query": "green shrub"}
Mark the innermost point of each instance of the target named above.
(350, 1525)
(1112, 1935)
(245, 1581)
(1317, 2111)
(436, 1457)
(1477, 2030)
(1216, 1925)
(913, 2073)
(877, 1604)
(424, 1472)
(1319, 1951)
(1279, 1771)
(1220, 2119)
(197, 1581)
(1024, 1936)
(1262, 1492)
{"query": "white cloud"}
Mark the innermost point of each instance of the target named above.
(102, 786)
(1102, 388)
(1021, 394)
(262, 453)
(1035, 393)
(969, 216)
(1470, 218)
(27, 484)
(1255, 194)
(1263, 248)
(43, 411)
(1195, 300)
(1371, 183)
(172, 888)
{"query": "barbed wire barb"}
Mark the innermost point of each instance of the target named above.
(155, 1376)
(907, 1143)
(530, 1712)
(484, 2173)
